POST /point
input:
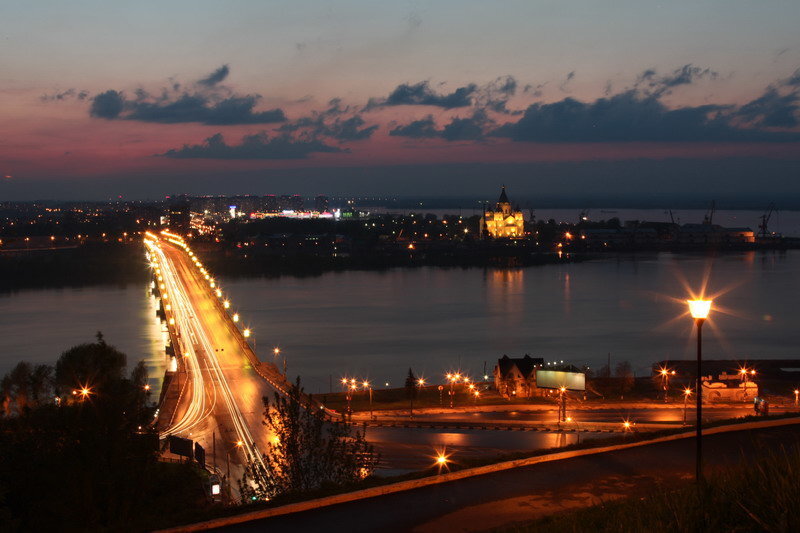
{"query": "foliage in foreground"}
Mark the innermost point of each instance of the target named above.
(88, 462)
(308, 451)
(761, 495)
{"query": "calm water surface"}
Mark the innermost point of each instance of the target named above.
(38, 325)
(376, 325)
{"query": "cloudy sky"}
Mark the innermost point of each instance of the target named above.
(143, 99)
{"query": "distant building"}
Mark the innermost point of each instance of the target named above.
(504, 222)
(178, 214)
(713, 234)
(321, 203)
(516, 377)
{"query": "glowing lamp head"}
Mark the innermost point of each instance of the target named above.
(239, 444)
(687, 392)
(365, 384)
(236, 317)
(420, 382)
(441, 460)
(563, 389)
(344, 381)
(699, 308)
(276, 351)
(247, 333)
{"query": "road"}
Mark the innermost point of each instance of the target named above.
(406, 445)
(494, 500)
(656, 415)
(221, 405)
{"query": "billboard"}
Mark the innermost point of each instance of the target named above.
(555, 379)
(180, 446)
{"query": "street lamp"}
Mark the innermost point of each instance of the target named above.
(562, 409)
(686, 393)
(277, 352)
(367, 385)
(453, 378)
(665, 375)
(699, 310)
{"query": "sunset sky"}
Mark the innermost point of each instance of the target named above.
(143, 99)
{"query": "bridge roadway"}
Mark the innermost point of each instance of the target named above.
(221, 399)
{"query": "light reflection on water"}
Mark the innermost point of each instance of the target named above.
(375, 325)
(495, 440)
(38, 325)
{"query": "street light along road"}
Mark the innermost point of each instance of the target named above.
(699, 310)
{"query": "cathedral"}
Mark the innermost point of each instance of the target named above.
(503, 222)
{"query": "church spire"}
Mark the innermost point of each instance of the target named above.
(503, 198)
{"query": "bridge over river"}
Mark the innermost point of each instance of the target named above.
(214, 388)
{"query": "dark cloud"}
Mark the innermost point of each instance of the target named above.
(466, 129)
(793, 80)
(535, 90)
(257, 146)
(198, 107)
(651, 84)
(494, 96)
(218, 76)
(628, 117)
(419, 129)
(338, 121)
(107, 105)
(212, 104)
(349, 129)
(569, 78)
(458, 129)
(422, 94)
(65, 95)
(772, 109)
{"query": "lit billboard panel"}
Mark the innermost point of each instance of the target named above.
(555, 379)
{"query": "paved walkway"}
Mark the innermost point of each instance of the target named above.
(502, 498)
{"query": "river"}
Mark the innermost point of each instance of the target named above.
(377, 325)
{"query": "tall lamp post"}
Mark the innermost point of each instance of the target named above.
(699, 310)
(367, 385)
(686, 393)
(665, 375)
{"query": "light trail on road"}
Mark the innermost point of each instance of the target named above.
(207, 383)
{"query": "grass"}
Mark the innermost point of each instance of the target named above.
(760, 495)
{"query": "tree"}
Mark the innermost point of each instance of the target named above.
(624, 373)
(90, 463)
(411, 385)
(89, 365)
(307, 451)
(411, 389)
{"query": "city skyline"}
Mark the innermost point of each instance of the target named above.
(421, 98)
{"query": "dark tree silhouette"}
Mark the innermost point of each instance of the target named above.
(308, 451)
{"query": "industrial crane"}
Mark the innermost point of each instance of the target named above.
(762, 228)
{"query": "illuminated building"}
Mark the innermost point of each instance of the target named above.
(516, 377)
(503, 222)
